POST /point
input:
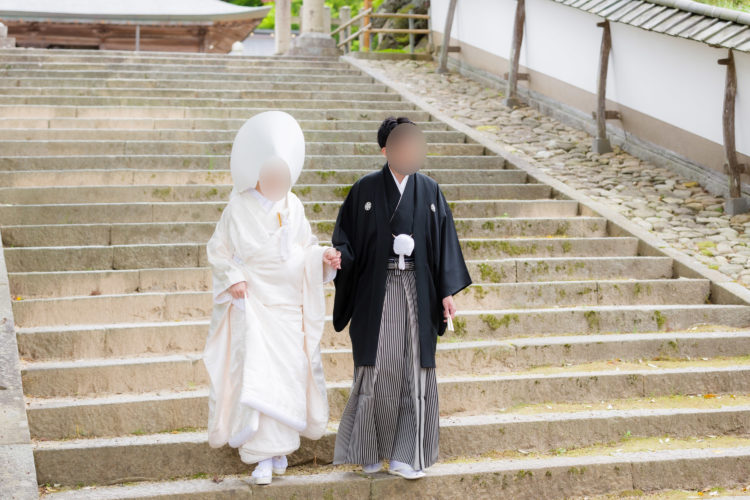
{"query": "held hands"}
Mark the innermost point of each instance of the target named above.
(449, 308)
(238, 290)
(332, 257)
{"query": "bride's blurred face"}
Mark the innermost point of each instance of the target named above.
(274, 180)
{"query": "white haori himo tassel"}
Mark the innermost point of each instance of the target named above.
(403, 244)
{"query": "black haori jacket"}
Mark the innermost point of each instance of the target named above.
(364, 233)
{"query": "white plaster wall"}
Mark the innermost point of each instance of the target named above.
(672, 79)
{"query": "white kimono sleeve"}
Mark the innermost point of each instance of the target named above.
(225, 270)
(329, 273)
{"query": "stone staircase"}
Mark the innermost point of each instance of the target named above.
(578, 366)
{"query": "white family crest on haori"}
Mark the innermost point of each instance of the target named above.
(266, 380)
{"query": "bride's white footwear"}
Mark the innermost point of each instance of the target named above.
(404, 470)
(279, 464)
(372, 468)
(262, 473)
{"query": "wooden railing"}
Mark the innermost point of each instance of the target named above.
(365, 30)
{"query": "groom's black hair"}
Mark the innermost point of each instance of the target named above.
(389, 124)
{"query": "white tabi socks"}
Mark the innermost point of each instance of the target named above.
(263, 472)
(279, 464)
(404, 470)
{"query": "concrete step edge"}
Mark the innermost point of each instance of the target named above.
(151, 245)
(487, 285)
(477, 478)
(592, 308)
(512, 343)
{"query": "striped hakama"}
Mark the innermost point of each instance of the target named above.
(392, 411)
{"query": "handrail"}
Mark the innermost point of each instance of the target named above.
(355, 35)
(368, 30)
(399, 15)
(422, 31)
(350, 21)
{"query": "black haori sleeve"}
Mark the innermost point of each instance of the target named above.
(453, 275)
(346, 277)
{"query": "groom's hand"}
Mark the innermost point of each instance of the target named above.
(449, 308)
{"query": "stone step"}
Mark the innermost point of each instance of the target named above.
(214, 192)
(28, 54)
(180, 135)
(188, 232)
(171, 316)
(173, 66)
(216, 84)
(176, 112)
(178, 70)
(148, 411)
(53, 148)
(548, 478)
(232, 124)
(124, 177)
(179, 306)
(220, 163)
(270, 101)
(29, 285)
(208, 211)
(185, 92)
(47, 54)
(70, 258)
(250, 79)
(83, 342)
(114, 356)
(111, 300)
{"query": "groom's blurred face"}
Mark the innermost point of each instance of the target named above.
(405, 149)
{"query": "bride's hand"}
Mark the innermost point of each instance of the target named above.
(332, 257)
(238, 290)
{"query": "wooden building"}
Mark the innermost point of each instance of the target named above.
(163, 25)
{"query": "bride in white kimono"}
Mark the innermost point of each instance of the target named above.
(262, 353)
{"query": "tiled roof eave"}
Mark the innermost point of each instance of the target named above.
(713, 26)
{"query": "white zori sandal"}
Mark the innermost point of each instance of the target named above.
(279, 464)
(404, 470)
(262, 473)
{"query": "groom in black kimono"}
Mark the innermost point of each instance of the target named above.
(401, 264)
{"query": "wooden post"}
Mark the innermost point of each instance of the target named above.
(411, 35)
(345, 14)
(601, 143)
(365, 22)
(511, 97)
(735, 204)
(443, 66)
(430, 46)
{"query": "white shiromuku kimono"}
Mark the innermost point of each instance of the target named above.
(262, 353)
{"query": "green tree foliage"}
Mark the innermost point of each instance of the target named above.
(335, 5)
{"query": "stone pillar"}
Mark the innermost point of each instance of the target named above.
(314, 40)
(283, 26)
(345, 14)
(6, 42)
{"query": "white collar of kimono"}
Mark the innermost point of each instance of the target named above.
(401, 185)
(264, 202)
